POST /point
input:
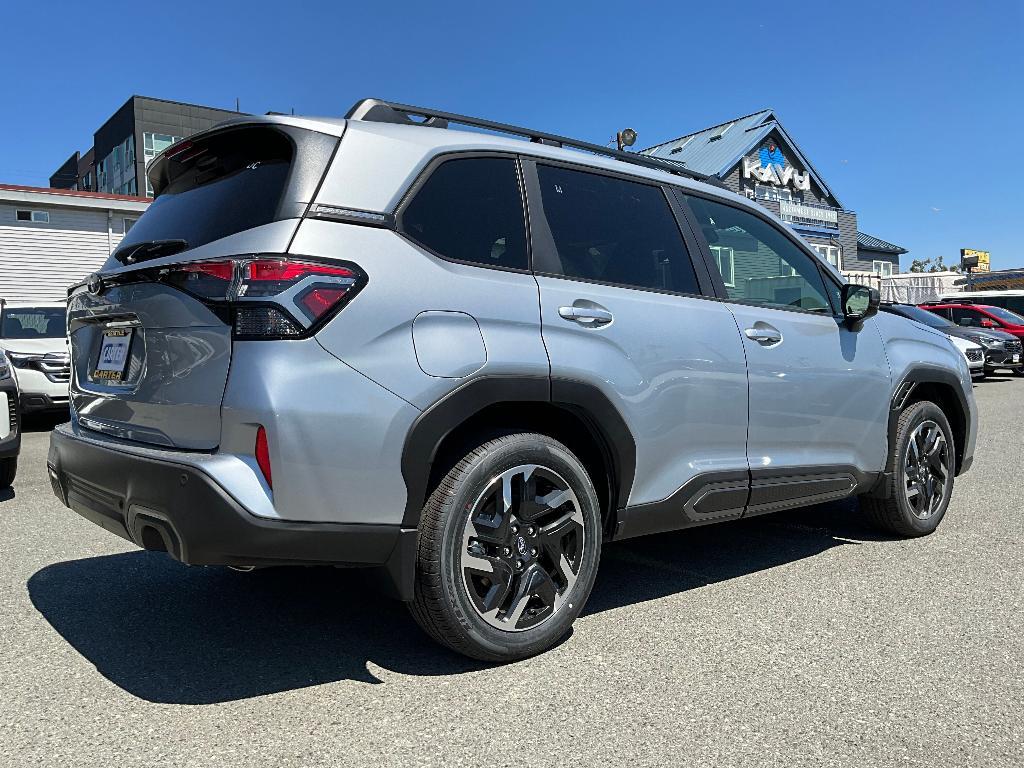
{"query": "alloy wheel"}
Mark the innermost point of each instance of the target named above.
(926, 469)
(522, 548)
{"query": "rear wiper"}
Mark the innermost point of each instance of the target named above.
(150, 249)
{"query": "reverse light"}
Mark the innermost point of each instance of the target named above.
(262, 452)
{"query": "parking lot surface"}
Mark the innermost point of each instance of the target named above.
(802, 638)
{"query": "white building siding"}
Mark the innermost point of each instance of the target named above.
(39, 261)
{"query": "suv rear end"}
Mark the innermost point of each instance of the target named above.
(196, 343)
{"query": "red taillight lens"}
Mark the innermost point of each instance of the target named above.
(318, 301)
(263, 455)
(291, 271)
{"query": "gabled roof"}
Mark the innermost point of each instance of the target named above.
(703, 152)
(876, 244)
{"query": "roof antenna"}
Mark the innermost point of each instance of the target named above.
(236, 105)
(293, 110)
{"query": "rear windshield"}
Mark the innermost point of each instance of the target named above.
(33, 323)
(223, 184)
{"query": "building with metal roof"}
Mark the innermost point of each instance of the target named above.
(755, 156)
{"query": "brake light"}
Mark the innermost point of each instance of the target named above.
(269, 297)
(263, 455)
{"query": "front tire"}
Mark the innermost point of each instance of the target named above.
(920, 470)
(508, 548)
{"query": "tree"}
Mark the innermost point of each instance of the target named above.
(926, 265)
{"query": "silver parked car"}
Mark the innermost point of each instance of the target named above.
(471, 360)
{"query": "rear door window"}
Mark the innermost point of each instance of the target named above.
(615, 231)
(471, 210)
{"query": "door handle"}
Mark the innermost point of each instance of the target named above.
(763, 334)
(586, 315)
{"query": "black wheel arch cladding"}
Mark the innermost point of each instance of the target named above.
(579, 401)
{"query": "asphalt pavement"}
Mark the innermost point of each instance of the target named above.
(803, 638)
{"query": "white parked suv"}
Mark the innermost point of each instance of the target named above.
(34, 335)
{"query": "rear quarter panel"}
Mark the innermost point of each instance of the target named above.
(374, 333)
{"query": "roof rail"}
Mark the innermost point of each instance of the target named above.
(379, 111)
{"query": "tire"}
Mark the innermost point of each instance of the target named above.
(903, 511)
(1018, 371)
(476, 565)
(8, 470)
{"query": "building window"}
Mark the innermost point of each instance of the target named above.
(830, 253)
(128, 224)
(724, 258)
(883, 268)
(39, 217)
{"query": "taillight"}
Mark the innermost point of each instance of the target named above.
(262, 452)
(270, 297)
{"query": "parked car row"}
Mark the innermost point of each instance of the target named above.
(988, 336)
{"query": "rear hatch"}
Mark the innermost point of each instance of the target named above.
(151, 334)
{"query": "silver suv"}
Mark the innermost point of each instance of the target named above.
(470, 360)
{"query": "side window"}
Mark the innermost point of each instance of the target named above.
(969, 317)
(766, 267)
(471, 210)
(614, 231)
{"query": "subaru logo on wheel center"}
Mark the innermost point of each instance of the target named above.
(521, 545)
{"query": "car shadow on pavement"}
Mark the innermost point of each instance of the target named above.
(168, 633)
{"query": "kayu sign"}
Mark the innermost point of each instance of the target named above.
(774, 174)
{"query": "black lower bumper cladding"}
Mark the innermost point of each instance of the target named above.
(160, 505)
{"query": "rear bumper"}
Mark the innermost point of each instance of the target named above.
(176, 507)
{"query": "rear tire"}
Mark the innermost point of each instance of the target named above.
(508, 548)
(8, 470)
(920, 471)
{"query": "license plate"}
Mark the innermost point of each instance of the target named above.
(113, 361)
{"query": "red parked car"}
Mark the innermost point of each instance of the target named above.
(980, 316)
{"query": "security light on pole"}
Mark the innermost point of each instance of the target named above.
(625, 138)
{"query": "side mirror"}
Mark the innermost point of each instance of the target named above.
(859, 302)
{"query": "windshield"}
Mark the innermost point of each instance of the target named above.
(34, 323)
(923, 316)
(1005, 315)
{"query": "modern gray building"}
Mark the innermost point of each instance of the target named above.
(128, 140)
(754, 156)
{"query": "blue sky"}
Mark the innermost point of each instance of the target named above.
(913, 112)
